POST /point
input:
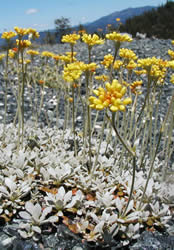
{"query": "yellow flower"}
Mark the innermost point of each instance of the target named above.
(117, 19)
(92, 40)
(27, 61)
(171, 64)
(8, 35)
(117, 37)
(127, 54)
(32, 52)
(171, 53)
(72, 72)
(22, 44)
(47, 54)
(173, 42)
(147, 63)
(71, 38)
(88, 67)
(134, 86)
(34, 33)
(108, 60)
(172, 78)
(2, 56)
(21, 31)
(68, 57)
(117, 64)
(140, 72)
(131, 65)
(11, 53)
(102, 78)
(56, 57)
(110, 97)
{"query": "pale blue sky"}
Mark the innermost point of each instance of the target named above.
(40, 14)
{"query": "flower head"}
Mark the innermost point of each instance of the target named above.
(117, 37)
(72, 72)
(88, 67)
(102, 78)
(127, 54)
(2, 56)
(47, 54)
(21, 31)
(147, 63)
(117, 64)
(8, 35)
(108, 60)
(92, 40)
(172, 78)
(68, 58)
(32, 52)
(71, 38)
(110, 97)
(171, 53)
(23, 44)
(34, 34)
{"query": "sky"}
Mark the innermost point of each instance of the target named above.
(41, 14)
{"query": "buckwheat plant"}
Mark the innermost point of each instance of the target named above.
(106, 180)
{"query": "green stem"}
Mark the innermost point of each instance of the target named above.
(128, 148)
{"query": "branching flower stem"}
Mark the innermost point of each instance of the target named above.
(131, 151)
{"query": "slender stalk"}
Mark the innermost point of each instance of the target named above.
(133, 154)
(146, 98)
(5, 97)
(156, 151)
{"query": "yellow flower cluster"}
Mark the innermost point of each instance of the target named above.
(102, 78)
(131, 65)
(92, 40)
(127, 54)
(8, 35)
(140, 72)
(108, 60)
(71, 38)
(56, 57)
(34, 33)
(68, 57)
(32, 52)
(171, 64)
(117, 37)
(117, 64)
(47, 54)
(2, 56)
(171, 53)
(11, 53)
(21, 31)
(172, 78)
(110, 97)
(135, 87)
(147, 63)
(88, 67)
(22, 44)
(155, 67)
(72, 72)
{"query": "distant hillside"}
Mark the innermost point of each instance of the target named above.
(111, 19)
(156, 22)
(101, 22)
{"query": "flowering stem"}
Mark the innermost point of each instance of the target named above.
(5, 97)
(73, 121)
(146, 97)
(130, 150)
(22, 94)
